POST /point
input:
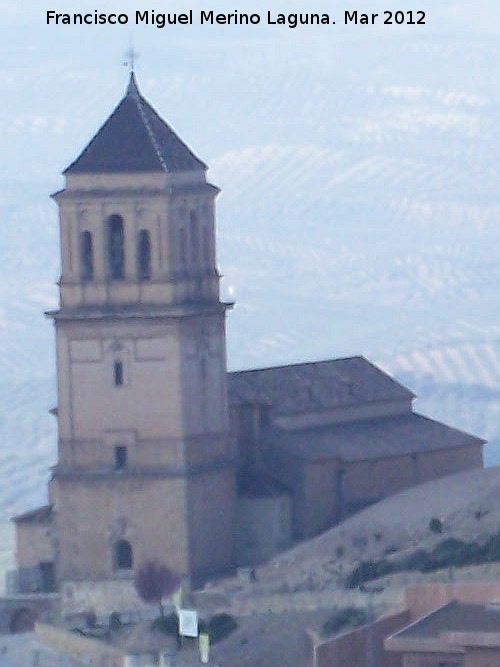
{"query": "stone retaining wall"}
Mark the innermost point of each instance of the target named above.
(18, 613)
(84, 650)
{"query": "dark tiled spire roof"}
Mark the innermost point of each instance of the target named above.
(135, 139)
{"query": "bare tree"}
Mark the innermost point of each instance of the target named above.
(154, 581)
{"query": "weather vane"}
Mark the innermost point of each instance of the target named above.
(131, 56)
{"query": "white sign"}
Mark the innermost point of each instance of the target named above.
(188, 623)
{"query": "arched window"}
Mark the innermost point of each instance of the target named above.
(118, 373)
(144, 255)
(86, 256)
(122, 555)
(194, 238)
(115, 248)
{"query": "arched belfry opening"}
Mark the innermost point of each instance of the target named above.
(144, 255)
(115, 247)
(86, 256)
(123, 557)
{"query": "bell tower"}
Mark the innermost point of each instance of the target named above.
(145, 465)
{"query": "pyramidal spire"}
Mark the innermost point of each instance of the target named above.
(135, 139)
(132, 88)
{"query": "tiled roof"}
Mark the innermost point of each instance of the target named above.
(315, 386)
(38, 515)
(135, 139)
(455, 617)
(368, 439)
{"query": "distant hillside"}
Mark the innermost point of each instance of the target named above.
(468, 505)
(458, 383)
(313, 575)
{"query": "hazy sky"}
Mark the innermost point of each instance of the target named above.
(26, 22)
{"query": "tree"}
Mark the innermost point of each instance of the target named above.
(436, 525)
(154, 581)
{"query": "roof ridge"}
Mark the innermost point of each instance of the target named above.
(149, 131)
(424, 617)
(453, 428)
(132, 88)
(297, 364)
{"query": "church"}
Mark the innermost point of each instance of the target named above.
(162, 454)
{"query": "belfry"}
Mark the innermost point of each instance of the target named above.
(145, 468)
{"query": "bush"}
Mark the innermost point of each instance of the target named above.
(351, 617)
(357, 577)
(169, 625)
(114, 621)
(445, 553)
(454, 552)
(384, 567)
(340, 551)
(364, 572)
(419, 560)
(368, 570)
(492, 548)
(471, 553)
(436, 526)
(451, 552)
(220, 626)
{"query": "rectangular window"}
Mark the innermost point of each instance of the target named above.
(118, 373)
(48, 574)
(120, 457)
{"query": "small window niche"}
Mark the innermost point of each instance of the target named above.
(118, 375)
(120, 457)
(123, 558)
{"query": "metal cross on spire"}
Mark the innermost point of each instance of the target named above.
(131, 55)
